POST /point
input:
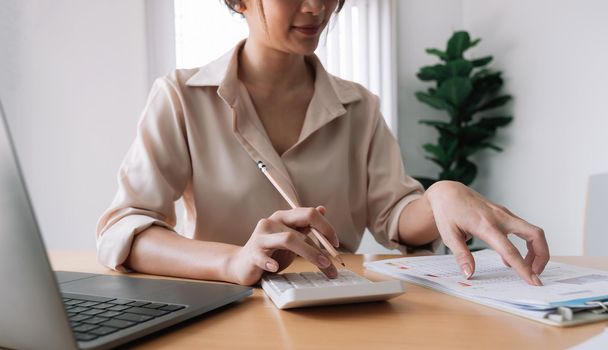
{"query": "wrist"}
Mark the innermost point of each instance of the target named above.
(230, 266)
(441, 189)
(417, 225)
(213, 260)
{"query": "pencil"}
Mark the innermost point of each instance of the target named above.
(332, 251)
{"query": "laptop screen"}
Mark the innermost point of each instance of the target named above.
(30, 296)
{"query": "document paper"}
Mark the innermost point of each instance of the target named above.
(494, 283)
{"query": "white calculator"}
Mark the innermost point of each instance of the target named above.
(291, 290)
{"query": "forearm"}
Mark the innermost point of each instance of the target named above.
(417, 224)
(160, 251)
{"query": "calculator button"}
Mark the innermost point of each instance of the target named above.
(279, 283)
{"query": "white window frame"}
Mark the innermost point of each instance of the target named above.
(160, 38)
(369, 56)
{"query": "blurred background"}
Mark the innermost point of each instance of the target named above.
(74, 76)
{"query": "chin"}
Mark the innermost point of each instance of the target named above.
(305, 49)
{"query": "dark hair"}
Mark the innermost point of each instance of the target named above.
(232, 3)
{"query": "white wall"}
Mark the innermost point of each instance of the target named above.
(73, 79)
(554, 56)
(420, 24)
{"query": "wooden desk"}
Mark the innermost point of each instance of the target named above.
(421, 318)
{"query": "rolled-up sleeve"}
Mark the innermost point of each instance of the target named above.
(152, 177)
(390, 189)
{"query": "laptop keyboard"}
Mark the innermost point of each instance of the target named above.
(92, 317)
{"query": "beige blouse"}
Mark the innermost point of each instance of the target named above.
(199, 138)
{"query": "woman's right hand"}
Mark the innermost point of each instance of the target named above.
(275, 242)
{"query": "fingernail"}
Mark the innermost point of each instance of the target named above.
(332, 273)
(271, 267)
(323, 261)
(466, 269)
(536, 280)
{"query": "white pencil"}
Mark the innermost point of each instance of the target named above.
(334, 253)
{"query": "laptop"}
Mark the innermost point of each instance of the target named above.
(43, 309)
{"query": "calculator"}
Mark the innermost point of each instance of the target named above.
(292, 290)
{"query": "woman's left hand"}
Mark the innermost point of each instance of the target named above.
(460, 213)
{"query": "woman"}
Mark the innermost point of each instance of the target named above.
(323, 139)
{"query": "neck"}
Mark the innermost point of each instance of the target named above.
(266, 67)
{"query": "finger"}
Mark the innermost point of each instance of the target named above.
(295, 241)
(304, 217)
(499, 242)
(322, 210)
(464, 258)
(535, 241)
(283, 257)
(507, 211)
(505, 262)
(530, 255)
(331, 271)
(311, 238)
(265, 262)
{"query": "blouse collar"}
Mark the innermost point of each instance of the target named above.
(223, 73)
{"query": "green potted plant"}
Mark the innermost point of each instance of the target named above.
(464, 88)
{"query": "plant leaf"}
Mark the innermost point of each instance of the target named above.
(467, 171)
(458, 44)
(470, 150)
(494, 103)
(493, 122)
(473, 135)
(492, 146)
(440, 157)
(445, 140)
(481, 73)
(452, 146)
(442, 55)
(464, 172)
(442, 127)
(480, 62)
(458, 68)
(485, 83)
(429, 73)
(455, 90)
(489, 82)
(474, 42)
(436, 151)
(436, 102)
(433, 122)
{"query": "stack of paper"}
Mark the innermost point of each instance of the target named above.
(570, 287)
